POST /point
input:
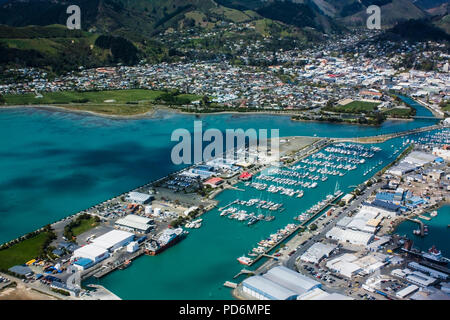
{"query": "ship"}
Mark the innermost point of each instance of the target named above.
(166, 239)
(433, 255)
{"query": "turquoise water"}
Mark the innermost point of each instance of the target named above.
(197, 267)
(438, 232)
(53, 164)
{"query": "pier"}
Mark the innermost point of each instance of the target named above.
(107, 269)
(322, 207)
(230, 284)
(385, 137)
(243, 271)
(420, 224)
(265, 254)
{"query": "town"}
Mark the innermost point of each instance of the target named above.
(350, 79)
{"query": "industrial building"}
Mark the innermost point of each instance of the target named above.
(113, 240)
(319, 294)
(317, 252)
(91, 252)
(427, 270)
(138, 197)
(350, 265)
(407, 291)
(83, 263)
(419, 158)
(264, 289)
(344, 265)
(415, 277)
(134, 223)
(350, 236)
(347, 198)
(279, 283)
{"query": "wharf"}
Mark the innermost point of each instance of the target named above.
(298, 227)
(265, 254)
(323, 207)
(107, 269)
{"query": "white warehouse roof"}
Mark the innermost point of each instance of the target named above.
(317, 252)
(291, 280)
(268, 289)
(138, 197)
(90, 251)
(135, 222)
(112, 238)
(350, 236)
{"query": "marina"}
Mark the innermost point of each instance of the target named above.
(230, 238)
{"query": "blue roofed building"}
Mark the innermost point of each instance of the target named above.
(414, 202)
(385, 196)
(83, 263)
(386, 206)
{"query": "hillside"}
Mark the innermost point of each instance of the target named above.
(392, 12)
(61, 50)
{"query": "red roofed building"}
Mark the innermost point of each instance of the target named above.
(213, 182)
(245, 176)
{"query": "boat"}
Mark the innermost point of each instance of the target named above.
(125, 265)
(245, 260)
(433, 214)
(252, 220)
(166, 239)
(435, 255)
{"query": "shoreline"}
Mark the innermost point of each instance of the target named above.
(152, 113)
(146, 115)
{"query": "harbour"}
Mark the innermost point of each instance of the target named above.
(224, 232)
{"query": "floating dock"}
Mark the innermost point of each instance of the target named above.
(298, 227)
(230, 284)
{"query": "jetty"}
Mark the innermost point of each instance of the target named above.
(388, 136)
(420, 224)
(266, 254)
(107, 269)
(230, 284)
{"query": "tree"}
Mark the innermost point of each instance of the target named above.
(2, 99)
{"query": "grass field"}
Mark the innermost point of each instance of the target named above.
(111, 109)
(84, 226)
(22, 252)
(95, 97)
(356, 107)
(400, 112)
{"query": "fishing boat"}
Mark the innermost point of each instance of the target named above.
(125, 265)
(245, 260)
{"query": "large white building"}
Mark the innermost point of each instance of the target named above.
(113, 240)
(279, 283)
(138, 197)
(91, 252)
(135, 223)
(345, 265)
(317, 252)
(350, 236)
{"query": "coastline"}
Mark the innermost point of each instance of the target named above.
(146, 115)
